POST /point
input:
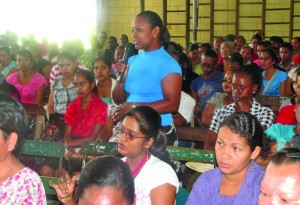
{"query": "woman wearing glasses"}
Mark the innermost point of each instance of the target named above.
(142, 142)
(218, 100)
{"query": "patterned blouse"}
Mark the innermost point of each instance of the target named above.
(23, 188)
(264, 115)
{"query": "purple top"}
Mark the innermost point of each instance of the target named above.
(206, 188)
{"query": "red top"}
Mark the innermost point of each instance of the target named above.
(83, 121)
(286, 116)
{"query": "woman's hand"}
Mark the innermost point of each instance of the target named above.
(65, 188)
(121, 110)
(70, 152)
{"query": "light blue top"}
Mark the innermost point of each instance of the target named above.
(12, 64)
(274, 87)
(145, 75)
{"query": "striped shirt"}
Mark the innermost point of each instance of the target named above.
(55, 70)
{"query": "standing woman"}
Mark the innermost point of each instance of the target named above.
(237, 179)
(153, 76)
(274, 80)
(30, 84)
(143, 143)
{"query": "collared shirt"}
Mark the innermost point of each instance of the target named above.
(288, 67)
(264, 115)
(83, 121)
(62, 95)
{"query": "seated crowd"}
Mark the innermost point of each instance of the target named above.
(91, 95)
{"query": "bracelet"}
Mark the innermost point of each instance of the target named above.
(120, 84)
(66, 199)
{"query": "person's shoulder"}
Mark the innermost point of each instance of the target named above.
(28, 174)
(209, 177)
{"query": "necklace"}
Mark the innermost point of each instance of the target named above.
(138, 168)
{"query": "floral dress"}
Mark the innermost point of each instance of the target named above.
(23, 188)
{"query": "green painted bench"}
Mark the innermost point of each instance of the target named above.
(45, 149)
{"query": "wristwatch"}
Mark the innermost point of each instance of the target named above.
(133, 105)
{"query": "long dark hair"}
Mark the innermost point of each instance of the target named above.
(149, 122)
(89, 77)
(154, 20)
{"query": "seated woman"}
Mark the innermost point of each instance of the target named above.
(63, 90)
(41, 65)
(105, 84)
(281, 182)
(104, 180)
(30, 84)
(18, 184)
(274, 80)
(85, 118)
(237, 179)
(218, 100)
(7, 66)
(246, 83)
(286, 115)
(142, 142)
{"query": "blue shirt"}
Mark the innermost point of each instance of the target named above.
(144, 80)
(206, 88)
(274, 87)
(12, 64)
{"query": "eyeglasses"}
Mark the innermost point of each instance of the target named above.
(129, 135)
(226, 81)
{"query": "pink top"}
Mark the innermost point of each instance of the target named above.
(83, 121)
(24, 187)
(27, 91)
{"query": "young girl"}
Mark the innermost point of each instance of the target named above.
(237, 179)
(86, 116)
(142, 141)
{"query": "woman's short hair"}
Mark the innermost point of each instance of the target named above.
(253, 71)
(13, 117)
(246, 125)
(107, 171)
(27, 54)
(287, 156)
